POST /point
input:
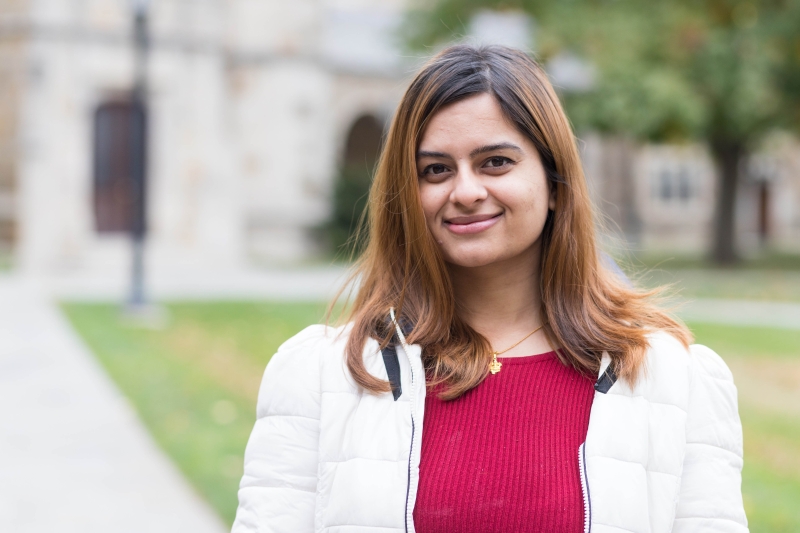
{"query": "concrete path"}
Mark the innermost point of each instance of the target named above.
(73, 455)
(196, 283)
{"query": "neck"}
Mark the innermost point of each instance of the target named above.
(501, 300)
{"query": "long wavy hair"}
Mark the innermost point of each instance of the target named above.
(588, 309)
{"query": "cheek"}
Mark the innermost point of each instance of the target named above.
(538, 195)
(432, 199)
(525, 197)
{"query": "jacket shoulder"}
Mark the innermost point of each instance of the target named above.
(312, 342)
(708, 363)
(677, 432)
(715, 400)
(665, 374)
(664, 347)
(673, 373)
(710, 493)
(291, 383)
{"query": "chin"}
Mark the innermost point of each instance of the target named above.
(474, 260)
(478, 255)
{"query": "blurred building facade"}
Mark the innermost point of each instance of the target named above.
(254, 106)
(250, 105)
(660, 198)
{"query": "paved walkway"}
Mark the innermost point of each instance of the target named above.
(195, 283)
(73, 455)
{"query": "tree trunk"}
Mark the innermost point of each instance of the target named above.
(727, 156)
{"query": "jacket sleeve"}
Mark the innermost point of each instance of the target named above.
(710, 496)
(278, 490)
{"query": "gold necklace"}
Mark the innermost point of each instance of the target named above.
(495, 365)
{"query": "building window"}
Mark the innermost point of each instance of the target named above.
(666, 185)
(118, 164)
(672, 182)
(684, 185)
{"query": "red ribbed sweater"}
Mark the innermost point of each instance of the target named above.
(504, 456)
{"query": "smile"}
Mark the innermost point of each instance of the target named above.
(471, 224)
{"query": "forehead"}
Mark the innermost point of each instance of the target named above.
(476, 120)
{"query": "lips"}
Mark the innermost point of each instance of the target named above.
(466, 225)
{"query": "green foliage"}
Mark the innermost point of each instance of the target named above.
(349, 202)
(725, 70)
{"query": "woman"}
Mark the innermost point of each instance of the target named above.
(493, 376)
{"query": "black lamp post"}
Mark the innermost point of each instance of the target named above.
(138, 172)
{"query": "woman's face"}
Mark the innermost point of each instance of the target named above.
(482, 185)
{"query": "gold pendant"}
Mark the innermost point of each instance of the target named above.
(495, 365)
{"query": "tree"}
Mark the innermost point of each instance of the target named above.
(726, 72)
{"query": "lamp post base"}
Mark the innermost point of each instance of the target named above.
(145, 316)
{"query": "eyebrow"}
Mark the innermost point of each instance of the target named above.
(476, 151)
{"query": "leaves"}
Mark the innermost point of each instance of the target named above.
(716, 69)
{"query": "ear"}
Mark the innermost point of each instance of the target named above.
(551, 202)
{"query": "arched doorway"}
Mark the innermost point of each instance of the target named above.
(119, 143)
(361, 152)
(764, 213)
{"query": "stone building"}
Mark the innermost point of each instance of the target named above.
(250, 103)
(660, 198)
(254, 105)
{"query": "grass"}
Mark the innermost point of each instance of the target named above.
(749, 343)
(766, 366)
(195, 385)
(764, 285)
(766, 261)
(772, 277)
(771, 477)
(6, 260)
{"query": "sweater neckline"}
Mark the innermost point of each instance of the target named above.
(528, 359)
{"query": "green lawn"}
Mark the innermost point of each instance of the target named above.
(195, 385)
(766, 365)
(768, 285)
(772, 277)
(770, 261)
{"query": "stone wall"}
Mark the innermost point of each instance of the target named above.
(13, 49)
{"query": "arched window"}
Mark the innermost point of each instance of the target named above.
(119, 151)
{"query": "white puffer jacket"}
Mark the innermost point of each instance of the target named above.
(325, 456)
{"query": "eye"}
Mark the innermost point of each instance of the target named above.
(435, 172)
(497, 162)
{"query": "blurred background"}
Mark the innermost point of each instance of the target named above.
(180, 179)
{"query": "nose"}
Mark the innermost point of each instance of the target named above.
(468, 189)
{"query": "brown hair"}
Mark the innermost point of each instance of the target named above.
(588, 309)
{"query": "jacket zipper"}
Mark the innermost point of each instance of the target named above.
(587, 504)
(409, 513)
(408, 484)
